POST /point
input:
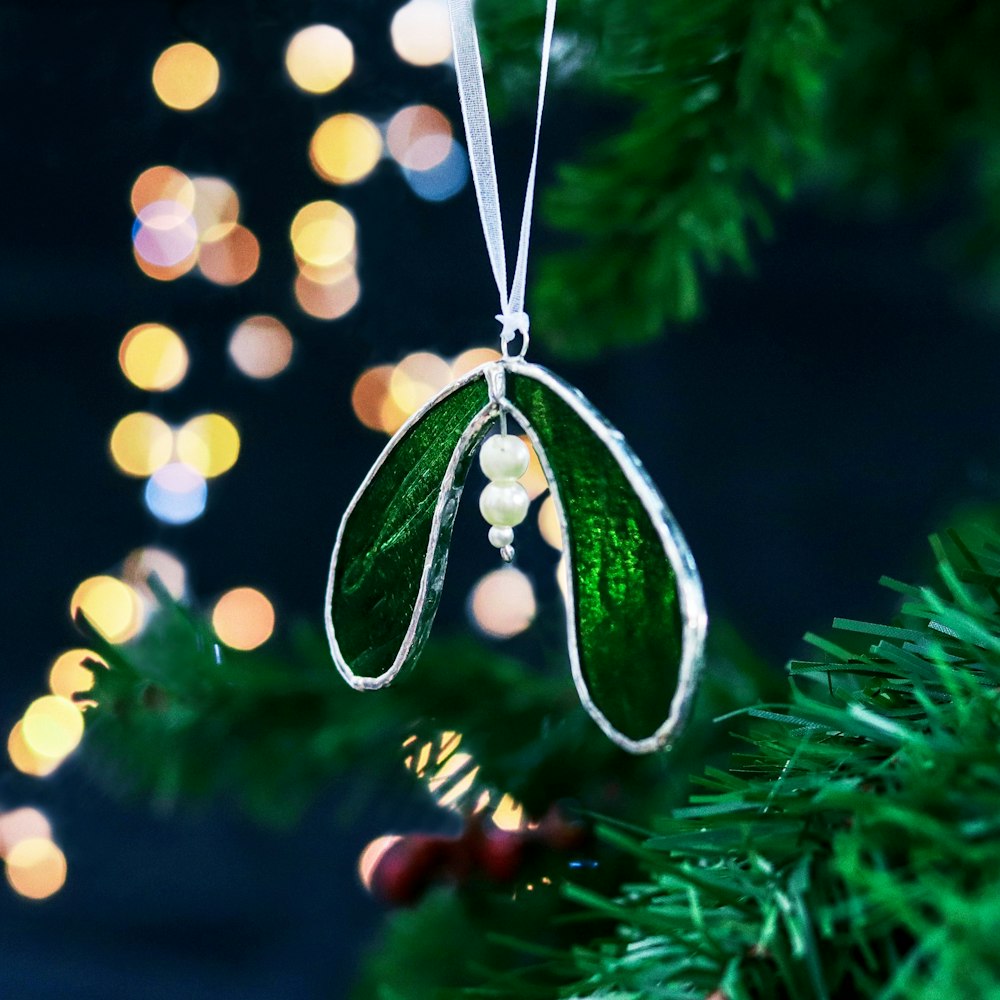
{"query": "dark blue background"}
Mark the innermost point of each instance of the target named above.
(824, 416)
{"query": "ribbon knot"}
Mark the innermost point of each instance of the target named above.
(513, 323)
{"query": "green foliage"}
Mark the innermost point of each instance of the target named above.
(726, 106)
(180, 717)
(179, 720)
(853, 851)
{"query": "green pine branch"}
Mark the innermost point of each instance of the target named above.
(727, 107)
(181, 718)
(852, 850)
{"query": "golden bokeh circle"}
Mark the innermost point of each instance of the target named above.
(323, 233)
(345, 148)
(209, 444)
(69, 676)
(36, 868)
(110, 606)
(52, 726)
(185, 76)
(153, 357)
(243, 618)
(141, 443)
(319, 58)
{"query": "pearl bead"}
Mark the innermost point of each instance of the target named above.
(504, 458)
(501, 537)
(504, 504)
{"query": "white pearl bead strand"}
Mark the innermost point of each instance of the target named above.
(504, 502)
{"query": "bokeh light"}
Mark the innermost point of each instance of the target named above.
(319, 58)
(328, 301)
(140, 444)
(508, 815)
(36, 868)
(323, 233)
(372, 855)
(52, 726)
(215, 208)
(417, 379)
(22, 824)
(457, 777)
(69, 677)
(385, 396)
(111, 606)
(548, 523)
(143, 562)
(421, 32)
(185, 76)
(24, 758)
(261, 347)
(162, 183)
(153, 357)
(176, 494)
(369, 395)
(473, 358)
(533, 480)
(503, 603)
(171, 273)
(231, 259)
(332, 274)
(443, 181)
(164, 234)
(209, 444)
(345, 148)
(243, 618)
(418, 137)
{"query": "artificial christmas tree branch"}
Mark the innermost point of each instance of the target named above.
(729, 106)
(852, 851)
(848, 851)
(179, 717)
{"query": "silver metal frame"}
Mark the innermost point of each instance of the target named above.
(435, 562)
(692, 600)
(692, 603)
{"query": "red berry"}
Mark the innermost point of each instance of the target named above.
(409, 867)
(502, 855)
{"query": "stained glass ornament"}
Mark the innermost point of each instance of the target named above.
(635, 612)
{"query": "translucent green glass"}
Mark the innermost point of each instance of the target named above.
(624, 590)
(385, 537)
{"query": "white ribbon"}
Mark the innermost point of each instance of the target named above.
(476, 115)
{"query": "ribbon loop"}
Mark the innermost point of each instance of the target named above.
(512, 324)
(479, 137)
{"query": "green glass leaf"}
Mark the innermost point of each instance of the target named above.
(392, 548)
(635, 610)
